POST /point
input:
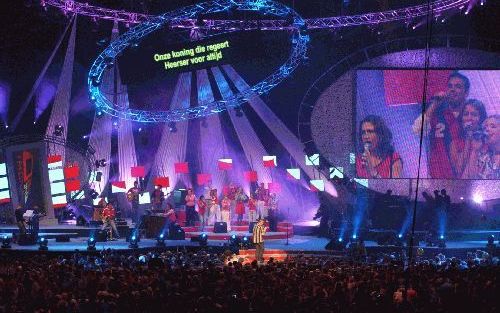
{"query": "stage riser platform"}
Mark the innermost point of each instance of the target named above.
(227, 236)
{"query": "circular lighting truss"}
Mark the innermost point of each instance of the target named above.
(299, 40)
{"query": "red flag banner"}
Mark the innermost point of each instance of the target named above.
(71, 172)
(181, 168)
(137, 171)
(72, 185)
(203, 178)
(250, 176)
(162, 181)
(225, 164)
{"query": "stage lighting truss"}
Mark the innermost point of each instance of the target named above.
(299, 40)
(132, 18)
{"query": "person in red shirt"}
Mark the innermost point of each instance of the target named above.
(441, 125)
(108, 215)
(202, 211)
(240, 199)
(376, 157)
(252, 209)
(225, 211)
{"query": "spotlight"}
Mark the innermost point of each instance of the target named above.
(442, 242)
(172, 127)
(115, 125)
(100, 163)
(477, 198)
(99, 113)
(354, 236)
(6, 242)
(140, 129)
(160, 240)
(43, 244)
(133, 243)
(245, 242)
(234, 242)
(340, 240)
(400, 236)
(202, 239)
(91, 244)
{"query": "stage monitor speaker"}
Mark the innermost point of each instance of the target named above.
(176, 233)
(335, 245)
(250, 227)
(62, 238)
(98, 176)
(220, 227)
(26, 239)
(101, 236)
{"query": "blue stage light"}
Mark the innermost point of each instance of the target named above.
(400, 236)
(91, 244)
(133, 243)
(340, 239)
(202, 239)
(160, 240)
(6, 242)
(43, 244)
(354, 236)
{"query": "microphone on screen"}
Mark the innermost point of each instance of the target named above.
(366, 146)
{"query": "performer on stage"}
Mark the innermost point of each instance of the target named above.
(226, 211)
(108, 215)
(21, 224)
(97, 215)
(240, 199)
(252, 209)
(214, 208)
(133, 197)
(202, 211)
(273, 212)
(158, 197)
(260, 194)
(190, 207)
(259, 230)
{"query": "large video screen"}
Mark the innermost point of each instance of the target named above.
(460, 129)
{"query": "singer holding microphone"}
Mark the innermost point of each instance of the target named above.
(465, 150)
(259, 230)
(441, 125)
(377, 158)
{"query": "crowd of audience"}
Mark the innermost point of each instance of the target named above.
(203, 282)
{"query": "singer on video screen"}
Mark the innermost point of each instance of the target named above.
(377, 157)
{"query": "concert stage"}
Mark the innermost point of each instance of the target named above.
(277, 245)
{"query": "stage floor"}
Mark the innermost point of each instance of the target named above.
(296, 244)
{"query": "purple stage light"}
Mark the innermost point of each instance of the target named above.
(43, 97)
(4, 101)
